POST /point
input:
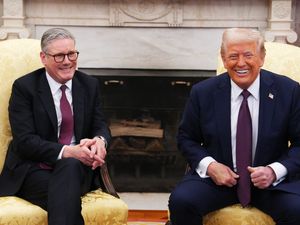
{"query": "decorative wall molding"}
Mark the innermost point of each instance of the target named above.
(167, 13)
(13, 33)
(146, 13)
(13, 20)
(20, 17)
(283, 36)
(280, 22)
(281, 9)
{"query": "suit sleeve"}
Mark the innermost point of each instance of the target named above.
(292, 160)
(189, 138)
(28, 144)
(99, 124)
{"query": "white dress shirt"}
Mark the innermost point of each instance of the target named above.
(253, 103)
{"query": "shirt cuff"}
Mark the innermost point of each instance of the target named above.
(280, 172)
(61, 153)
(203, 165)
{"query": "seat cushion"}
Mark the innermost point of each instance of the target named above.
(101, 208)
(236, 215)
(97, 208)
(14, 210)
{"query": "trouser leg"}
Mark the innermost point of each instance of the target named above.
(282, 206)
(59, 190)
(35, 186)
(69, 181)
(194, 197)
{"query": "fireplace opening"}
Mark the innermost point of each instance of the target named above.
(143, 109)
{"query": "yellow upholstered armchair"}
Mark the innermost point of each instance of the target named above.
(102, 206)
(282, 59)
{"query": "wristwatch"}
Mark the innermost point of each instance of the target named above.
(103, 139)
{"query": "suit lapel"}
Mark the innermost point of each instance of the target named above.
(222, 108)
(47, 100)
(267, 102)
(78, 106)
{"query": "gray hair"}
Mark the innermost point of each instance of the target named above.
(237, 35)
(54, 34)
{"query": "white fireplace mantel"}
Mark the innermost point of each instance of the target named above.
(156, 34)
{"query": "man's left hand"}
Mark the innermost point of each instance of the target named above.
(262, 176)
(98, 150)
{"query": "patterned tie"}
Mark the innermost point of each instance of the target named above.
(244, 151)
(67, 124)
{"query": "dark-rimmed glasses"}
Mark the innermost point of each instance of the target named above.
(58, 58)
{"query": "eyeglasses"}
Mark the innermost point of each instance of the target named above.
(58, 58)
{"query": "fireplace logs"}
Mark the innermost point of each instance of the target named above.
(143, 128)
(136, 135)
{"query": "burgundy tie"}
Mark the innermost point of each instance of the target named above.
(244, 151)
(67, 124)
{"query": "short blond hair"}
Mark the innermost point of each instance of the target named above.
(236, 35)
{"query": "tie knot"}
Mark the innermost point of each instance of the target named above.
(63, 87)
(246, 93)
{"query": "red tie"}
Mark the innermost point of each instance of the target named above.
(67, 124)
(244, 151)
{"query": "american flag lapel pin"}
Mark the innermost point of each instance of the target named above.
(271, 96)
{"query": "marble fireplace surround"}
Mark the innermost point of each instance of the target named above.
(147, 34)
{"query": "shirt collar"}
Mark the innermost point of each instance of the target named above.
(253, 89)
(55, 86)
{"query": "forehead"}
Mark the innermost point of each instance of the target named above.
(241, 47)
(58, 45)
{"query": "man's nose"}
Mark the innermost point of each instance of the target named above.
(241, 60)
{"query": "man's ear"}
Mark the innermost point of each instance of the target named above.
(43, 57)
(224, 61)
(262, 58)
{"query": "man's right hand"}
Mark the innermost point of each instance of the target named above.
(79, 152)
(221, 174)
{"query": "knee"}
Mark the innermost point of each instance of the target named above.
(292, 212)
(288, 212)
(175, 200)
(183, 210)
(71, 164)
(179, 202)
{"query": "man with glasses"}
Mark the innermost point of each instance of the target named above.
(59, 133)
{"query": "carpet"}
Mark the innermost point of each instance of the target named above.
(147, 217)
(145, 223)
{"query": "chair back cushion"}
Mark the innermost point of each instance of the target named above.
(17, 57)
(280, 58)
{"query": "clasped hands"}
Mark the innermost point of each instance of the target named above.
(90, 152)
(261, 176)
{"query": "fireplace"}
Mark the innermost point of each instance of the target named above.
(143, 109)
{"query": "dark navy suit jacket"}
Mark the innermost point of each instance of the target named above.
(33, 122)
(205, 129)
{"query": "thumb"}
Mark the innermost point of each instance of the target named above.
(251, 169)
(82, 142)
(234, 174)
